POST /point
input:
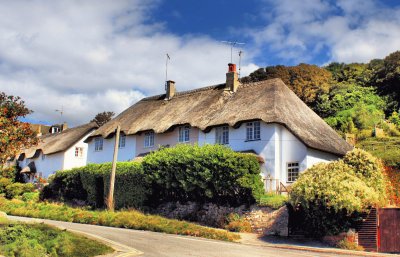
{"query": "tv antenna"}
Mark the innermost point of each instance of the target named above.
(232, 44)
(166, 70)
(61, 111)
(240, 60)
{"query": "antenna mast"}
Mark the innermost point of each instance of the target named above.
(61, 111)
(166, 70)
(232, 44)
(240, 60)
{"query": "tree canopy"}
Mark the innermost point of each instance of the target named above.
(14, 134)
(102, 118)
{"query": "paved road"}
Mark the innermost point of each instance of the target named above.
(150, 244)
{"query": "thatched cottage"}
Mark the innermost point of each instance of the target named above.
(57, 151)
(265, 117)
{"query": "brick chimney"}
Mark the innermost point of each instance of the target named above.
(170, 89)
(64, 126)
(232, 80)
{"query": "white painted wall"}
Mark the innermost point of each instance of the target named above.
(59, 161)
(72, 161)
(106, 155)
(47, 166)
(278, 146)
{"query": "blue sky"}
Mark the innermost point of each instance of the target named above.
(93, 56)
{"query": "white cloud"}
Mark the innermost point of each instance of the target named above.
(350, 31)
(94, 56)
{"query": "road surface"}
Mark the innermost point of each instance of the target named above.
(151, 244)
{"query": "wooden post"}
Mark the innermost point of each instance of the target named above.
(110, 200)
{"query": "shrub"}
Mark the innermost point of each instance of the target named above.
(349, 245)
(17, 189)
(209, 173)
(329, 196)
(30, 197)
(4, 182)
(237, 223)
(91, 185)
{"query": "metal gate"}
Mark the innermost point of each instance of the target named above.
(389, 230)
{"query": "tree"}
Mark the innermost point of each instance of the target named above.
(102, 118)
(306, 81)
(351, 103)
(387, 80)
(14, 134)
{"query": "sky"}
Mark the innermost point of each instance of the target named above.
(90, 56)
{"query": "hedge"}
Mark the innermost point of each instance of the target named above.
(91, 185)
(209, 173)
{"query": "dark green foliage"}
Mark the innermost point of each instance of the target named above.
(210, 173)
(387, 80)
(90, 184)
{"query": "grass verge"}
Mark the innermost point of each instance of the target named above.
(23, 239)
(273, 200)
(124, 219)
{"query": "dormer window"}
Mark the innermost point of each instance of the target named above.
(253, 131)
(122, 140)
(98, 144)
(55, 130)
(222, 135)
(148, 139)
(184, 134)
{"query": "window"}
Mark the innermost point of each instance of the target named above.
(98, 144)
(292, 171)
(121, 143)
(184, 134)
(55, 130)
(222, 135)
(78, 151)
(149, 139)
(43, 156)
(253, 131)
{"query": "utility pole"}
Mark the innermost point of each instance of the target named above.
(110, 200)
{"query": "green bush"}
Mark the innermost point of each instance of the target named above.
(329, 196)
(30, 197)
(349, 245)
(17, 189)
(209, 173)
(4, 182)
(91, 185)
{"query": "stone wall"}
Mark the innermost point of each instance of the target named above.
(263, 220)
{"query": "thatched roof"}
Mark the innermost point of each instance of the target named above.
(58, 142)
(270, 101)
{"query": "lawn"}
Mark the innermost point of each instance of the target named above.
(31, 240)
(387, 149)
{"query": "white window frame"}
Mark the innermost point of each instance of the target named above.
(253, 131)
(222, 135)
(292, 171)
(184, 134)
(98, 144)
(78, 152)
(148, 139)
(122, 141)
(55, 130)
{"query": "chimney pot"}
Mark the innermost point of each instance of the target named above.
(231, 67)
(170, 90)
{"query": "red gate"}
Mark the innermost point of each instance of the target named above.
(389, 230)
